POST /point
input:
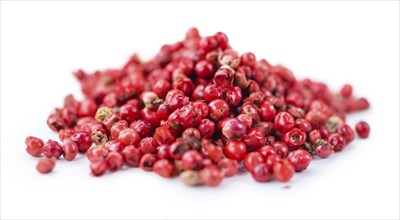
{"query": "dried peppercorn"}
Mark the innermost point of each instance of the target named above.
(196, 110)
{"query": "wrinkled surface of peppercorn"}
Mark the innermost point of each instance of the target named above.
(200, 110)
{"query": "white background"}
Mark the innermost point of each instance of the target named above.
(335, 42)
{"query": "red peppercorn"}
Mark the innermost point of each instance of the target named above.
(129, 112)
(303, 125)
(34, 146)
(114, 146)
(96, 152)
(52, 149)
(252, 159)
(131, 156)
(177, 149)
(266, 151)
(211, 176)
(83, 140)
(284, 122)
(346, 131)
(147, 145)
(254, 138)
(248, 59)
(300, 159)
(260, 173)
(150, 116)
(70, 149)
(362, 129)
(191, 132)
(314, 136)
(228, 167)
(164, 168)
(198, 108)
(147, 161)
(346, 90)
(281, 149)
(323, 149)
(114, 161)
(98, 167)
(88, 107)
(212, 92)
(267, 110)
(46, 165)
(164, 135)
(63, 133)
(162, 87)
(271, 160)
(117, 128)
(143, 128)
(129, 136)
(233, 129)
(246, 120)
(252, 111)
(337, 141)
(316, 118)
(266, 127)
(235, 150)
(150, 100)
(192, 160)
(294, 138)
(283, 170)
(204, 69)
(215, 153)
(219, 109)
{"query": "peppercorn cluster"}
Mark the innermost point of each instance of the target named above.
(200, 111)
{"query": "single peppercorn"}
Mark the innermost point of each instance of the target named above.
(98, 167)
(362, 129)
(283, 170)
(46, 165)
(260, 173)
(70, 149)
(147, 161)
(164, 168)
(34, 146)
(211, 176)
(102, 113)
(252, 159)
(52, 149)
(300, 159)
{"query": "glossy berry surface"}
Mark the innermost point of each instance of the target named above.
(200, 110)
(362, 129)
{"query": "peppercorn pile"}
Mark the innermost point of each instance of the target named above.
(199, 110)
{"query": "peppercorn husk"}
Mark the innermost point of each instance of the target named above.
(102, 113)
(190, 177)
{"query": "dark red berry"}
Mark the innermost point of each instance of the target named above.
(98, 167)
(164, 168)
(284, 122)
(252, 159)
(235, 150)
(70, 149)
(294, 138)
(34, 146)
(260, 173)
(362, 129)
(228, 167)
(283, 170)
(300, 159)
